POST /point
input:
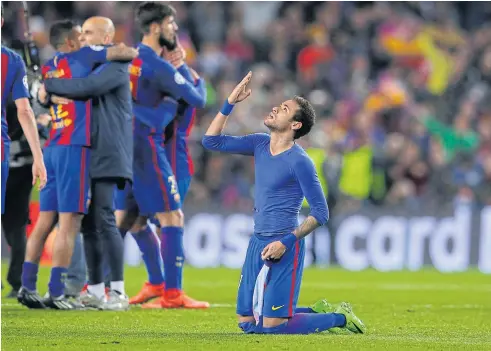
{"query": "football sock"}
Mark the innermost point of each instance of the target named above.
(97, 290)
(118, 286)
(149, 247)
(173, 255)
(56, 283)
(308, 323)
(29, 275)
(248, 327)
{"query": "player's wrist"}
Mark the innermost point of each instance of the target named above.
(289, 240)
(227, 107)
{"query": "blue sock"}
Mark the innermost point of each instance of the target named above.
(304, 310)
(30, 275)
(173, 256)
(57, 281)
(308, 323)
(248, 327)
(149, 247)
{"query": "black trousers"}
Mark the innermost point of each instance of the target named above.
(101, 237)
(16, 219)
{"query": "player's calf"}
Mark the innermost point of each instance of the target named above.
(62, 251)
(34, 249)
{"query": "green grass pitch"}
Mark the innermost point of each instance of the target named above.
(422, 310)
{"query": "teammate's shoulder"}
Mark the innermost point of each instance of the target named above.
(11, 53)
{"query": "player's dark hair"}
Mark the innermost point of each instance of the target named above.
(305, 114)
(60, 31)
(152, 12)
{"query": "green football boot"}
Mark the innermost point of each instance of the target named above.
(322, 306)
(353, 323)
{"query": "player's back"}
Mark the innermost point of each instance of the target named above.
(151, 106)
(70, 122)
(12, 70)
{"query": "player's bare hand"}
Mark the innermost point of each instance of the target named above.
(42, 94)
(55, 99)
(43, 119)
(273, 251)
(240, 93)
(39, 172)
(175, 57)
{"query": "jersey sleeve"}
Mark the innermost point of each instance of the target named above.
(308, 179)
(170, 81)
(20, 89)
(93, 54)
(242, 145)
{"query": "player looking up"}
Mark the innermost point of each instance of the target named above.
(272, 271)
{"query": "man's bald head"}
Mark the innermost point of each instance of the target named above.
(97, 31)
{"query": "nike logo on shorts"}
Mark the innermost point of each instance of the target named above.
(274, 308)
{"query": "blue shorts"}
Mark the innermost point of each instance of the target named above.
(5, 175)
(121, 198)
(154, 185)
(282, 283)
(67, 189)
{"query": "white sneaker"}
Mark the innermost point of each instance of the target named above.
(91, 301)
(117, 301)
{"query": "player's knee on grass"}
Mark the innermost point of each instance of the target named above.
(171, 219)
(42, 229)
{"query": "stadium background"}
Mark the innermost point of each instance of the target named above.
(402, 194)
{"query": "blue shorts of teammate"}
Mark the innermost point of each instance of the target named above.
(154, 185)
(67, 189)
(282, 283)
(5, 173)
(121, 198)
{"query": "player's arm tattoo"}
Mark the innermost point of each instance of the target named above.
(307, 227)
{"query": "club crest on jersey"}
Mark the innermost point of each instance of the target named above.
(97, 47)
(179, 79)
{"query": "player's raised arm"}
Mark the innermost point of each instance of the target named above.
(214, 139)
(28, 123)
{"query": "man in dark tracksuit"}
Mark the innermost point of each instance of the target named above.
(111, 162)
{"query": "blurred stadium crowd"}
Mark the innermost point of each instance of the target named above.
(402, 91)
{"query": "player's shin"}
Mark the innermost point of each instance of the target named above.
(34, 249)
(63, 250)
(173, 256)
(172, 249)
(307, 323)
(150, 249)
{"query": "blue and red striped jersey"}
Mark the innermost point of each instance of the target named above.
(155, 81)
(14, 81)
(177, 149)
(71, 122)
